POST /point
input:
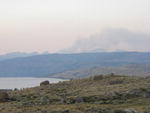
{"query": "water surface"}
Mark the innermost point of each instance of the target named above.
(23, 82)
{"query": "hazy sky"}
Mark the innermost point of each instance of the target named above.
(112, 40)
(52, 25)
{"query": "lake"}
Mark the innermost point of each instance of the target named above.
(23, 82)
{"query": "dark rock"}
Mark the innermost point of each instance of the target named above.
(44, 83)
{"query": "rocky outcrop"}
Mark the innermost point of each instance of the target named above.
(44, 83)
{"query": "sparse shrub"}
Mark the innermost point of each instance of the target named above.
(63, 101)
(116, 82)
(119, 111)
(3, 97)
(44, 100)
(79, 100)
(15, 89)
(126, 111)
(90, 99)
(98, 77)
(70, 100)
(135, 93)
(144, 89)
(98, 110)
(112, 74)
(65, 111)
(147, 111)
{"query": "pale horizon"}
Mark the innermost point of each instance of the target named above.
(46, 25)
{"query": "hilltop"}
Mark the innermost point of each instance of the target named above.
(16, 55)
(97, 94)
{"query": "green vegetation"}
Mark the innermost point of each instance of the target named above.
(97, 94)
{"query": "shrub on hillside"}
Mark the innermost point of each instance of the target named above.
(98, 77)
(116, 82)
(3, 97)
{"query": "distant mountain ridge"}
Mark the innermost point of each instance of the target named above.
(52, 64)
(16, 55)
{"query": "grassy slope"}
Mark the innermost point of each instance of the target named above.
(81, 96)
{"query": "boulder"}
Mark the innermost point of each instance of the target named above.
(44, 83)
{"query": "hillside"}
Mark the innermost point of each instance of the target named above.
(45, 65)
(98, 94)
(128, 69)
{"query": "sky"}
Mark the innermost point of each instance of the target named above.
(53, 25)
(112, 40)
